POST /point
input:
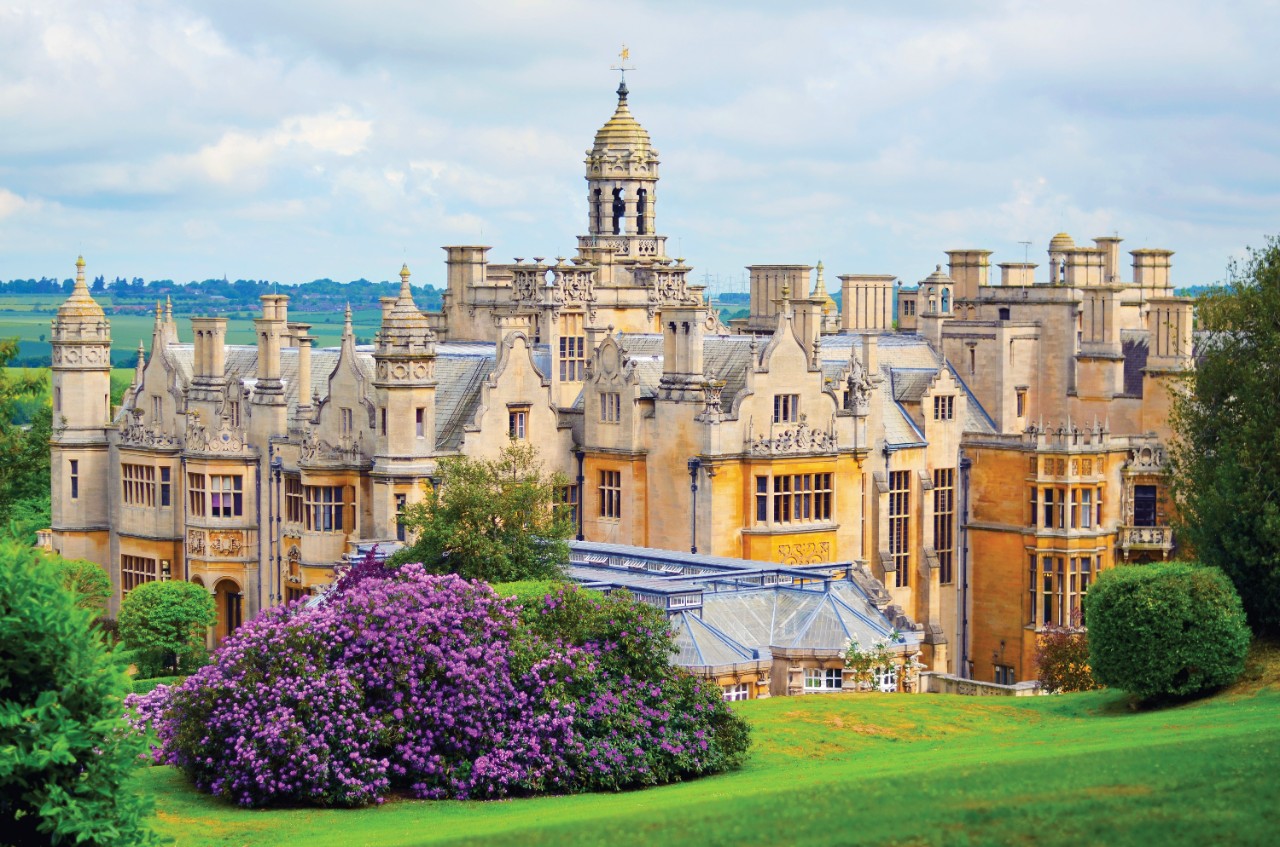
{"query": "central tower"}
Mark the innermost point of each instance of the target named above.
(622, 187)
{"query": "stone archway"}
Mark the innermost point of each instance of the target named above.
(229, 604)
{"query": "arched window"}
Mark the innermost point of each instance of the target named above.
(946, 301)
(642, 209)
(596, 211)
(619, 209)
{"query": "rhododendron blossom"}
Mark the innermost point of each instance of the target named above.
(435, 686)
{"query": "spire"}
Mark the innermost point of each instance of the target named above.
(406, 293)
(142, 361)
(346, 322)
(158, 316)
(168, 309)
(81, 303)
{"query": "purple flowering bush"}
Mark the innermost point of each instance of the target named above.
(435, 686)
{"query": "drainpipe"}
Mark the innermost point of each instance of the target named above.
(962, 666)
(257, 505)
(581, 456)
(695, 464)
(276, 464)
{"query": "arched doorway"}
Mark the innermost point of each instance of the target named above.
(229, 604)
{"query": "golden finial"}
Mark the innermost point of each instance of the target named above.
(404, 273)
(80, 261)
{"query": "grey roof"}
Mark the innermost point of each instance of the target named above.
(792, 617)
(700, 644)
(724, 357)
(910, 384)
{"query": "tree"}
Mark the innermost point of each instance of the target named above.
(65, 759)
(1169, 629)
(493, 519)
(88, 583)
(168, 621)
(24, 453)
(1062, 658)
(1226, 454)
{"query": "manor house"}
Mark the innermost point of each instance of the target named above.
(980, 460)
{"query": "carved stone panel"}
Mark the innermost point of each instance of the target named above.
(226, 543)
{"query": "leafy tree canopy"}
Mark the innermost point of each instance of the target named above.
(492, 519)
(1226, 455)
(65, 762)
(88, 583)
(167, 618)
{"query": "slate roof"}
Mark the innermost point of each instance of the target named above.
(461, 368)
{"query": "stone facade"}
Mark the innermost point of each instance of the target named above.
(809, 434)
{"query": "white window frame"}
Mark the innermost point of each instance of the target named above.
(737, 691)
(823, 679)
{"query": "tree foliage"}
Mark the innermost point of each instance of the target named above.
(167, 620)
(88, 583)
(492, 519)
(64, 759)
(1226, 456)
(24, 450)
(1165, 630)
(1062, 658)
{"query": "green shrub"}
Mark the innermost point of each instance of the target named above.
(87, 582)
(1163, 630)
(1062, 659)
(64, 756)
(167, 621)
(146, 686)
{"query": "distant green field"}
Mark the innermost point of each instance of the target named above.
(32, 329)
(1074, 770)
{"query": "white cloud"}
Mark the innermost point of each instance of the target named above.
(332, 139)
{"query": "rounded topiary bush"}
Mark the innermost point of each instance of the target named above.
(1165, 630)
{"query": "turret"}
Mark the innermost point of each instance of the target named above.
(622, 188)
(405, 385)
(81, 384)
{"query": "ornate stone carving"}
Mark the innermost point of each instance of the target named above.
(226, 544)
(574, 285)
(1148, 458)
(527, 284)
(712, 391)
(134, 433)
(804, 553)
(860, 385)
(225, 440)
(348, 450)
(195, 542)
(800, 438)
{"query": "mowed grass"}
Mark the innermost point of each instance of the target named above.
(870, 769)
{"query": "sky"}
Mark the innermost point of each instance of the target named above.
(294, 141)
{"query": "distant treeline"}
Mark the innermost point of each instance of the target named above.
(219, 296)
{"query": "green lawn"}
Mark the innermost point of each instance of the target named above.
(1073, 770)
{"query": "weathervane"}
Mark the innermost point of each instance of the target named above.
(622, 63)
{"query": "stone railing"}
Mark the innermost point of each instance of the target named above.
(945, 683)
(1146, 538)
